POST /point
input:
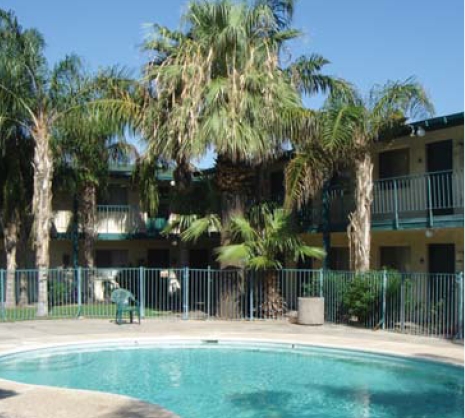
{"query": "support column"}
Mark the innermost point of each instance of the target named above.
(326, 223)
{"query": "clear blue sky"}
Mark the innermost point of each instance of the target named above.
(367, 41)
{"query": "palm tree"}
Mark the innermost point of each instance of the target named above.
(15, 180)
(259, 243)
(223, 84)
(42, 102)
(344, 131)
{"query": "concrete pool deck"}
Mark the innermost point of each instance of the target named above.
(27, 401)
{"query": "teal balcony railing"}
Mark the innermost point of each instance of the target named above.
(420, 200)
(113, 221)
(428, 198)
(119, 219)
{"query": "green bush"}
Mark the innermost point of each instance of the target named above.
(61, 292)
(359, 298)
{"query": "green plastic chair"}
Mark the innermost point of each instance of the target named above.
(125, 302)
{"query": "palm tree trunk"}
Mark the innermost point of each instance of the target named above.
(88, 214)
(42, 208)
(359, 230)
(25, 257)
(10, 239)
(273, 305)
(235, 182)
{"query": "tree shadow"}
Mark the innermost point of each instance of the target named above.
(269, 403)
(139, 410)
(5, 393)
(423, 403)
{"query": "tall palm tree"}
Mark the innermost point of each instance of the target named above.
(344, 131)
(41, 101)
(223, 84)
(15, 182)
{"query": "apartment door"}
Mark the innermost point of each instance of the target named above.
(441, 258)
(277, 186)
(439, 166)
(199, 258)
(158, 258)
(442, 288)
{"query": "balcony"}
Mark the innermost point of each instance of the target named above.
(417, 201)
(423, 200)
(112, 222)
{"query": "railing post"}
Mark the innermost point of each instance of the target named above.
(142, 291)
(460, 306)
(402, 304)
(429, 202)
(384, 299)
(2, 294)
(326, 223)
(185, 294)
(209, 273)
(396, 206)
(251, 295)
(321, 282)
(79, 290)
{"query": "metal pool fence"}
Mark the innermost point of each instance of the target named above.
(413, 303)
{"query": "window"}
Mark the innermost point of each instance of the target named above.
(111, 258)
(394, 163)
(66, 260)
(277, 186)
(114, 195)
(339, 258)
(395, 258)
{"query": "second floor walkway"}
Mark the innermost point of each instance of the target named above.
(417, 201)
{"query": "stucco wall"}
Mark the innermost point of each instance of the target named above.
(417, 147)
(417, 240)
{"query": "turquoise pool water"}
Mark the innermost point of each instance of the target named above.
(200, 380)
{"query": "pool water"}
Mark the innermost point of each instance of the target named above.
(199, 380)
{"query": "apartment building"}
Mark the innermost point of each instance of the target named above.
(126, 236)
(417, 211)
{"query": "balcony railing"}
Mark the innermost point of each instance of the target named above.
(427, 199)
(432, 197)
(113, 220)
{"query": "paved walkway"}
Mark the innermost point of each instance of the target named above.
(25, 401)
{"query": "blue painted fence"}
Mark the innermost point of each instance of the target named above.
(413, 303)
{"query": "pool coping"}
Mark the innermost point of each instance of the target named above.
(148, 341)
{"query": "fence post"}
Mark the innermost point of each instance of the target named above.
(251, 294)
(402, 304)
(185, 294)
(384, 298)
(321, 282)
(430, 203)
(2, 293)
(396, 206)
(209, 273)
(142, 291)
(460, 306)
(79, 290)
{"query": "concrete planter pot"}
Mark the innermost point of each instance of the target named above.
(311, 311)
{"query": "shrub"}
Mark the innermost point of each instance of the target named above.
(359, 298)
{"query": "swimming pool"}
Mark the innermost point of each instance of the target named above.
(250, 380)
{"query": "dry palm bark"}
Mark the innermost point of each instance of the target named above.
(42, 208)
(88, 213)
(235, 181)
(10, 241)
(359, 228)
(273, 305)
